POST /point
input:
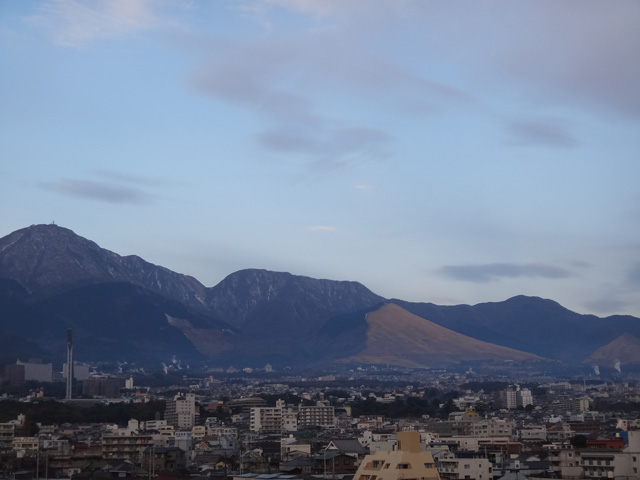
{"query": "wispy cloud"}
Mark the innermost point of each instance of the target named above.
(329, 146)
(74, 23)
(496, 271)
(287, 79)
(132, 179)
(98, 191)
(587, 56)
(322, 228)
(363, 186)
(540, 133)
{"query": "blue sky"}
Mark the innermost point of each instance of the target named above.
(439, 151)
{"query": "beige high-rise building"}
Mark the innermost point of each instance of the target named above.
(406, 461)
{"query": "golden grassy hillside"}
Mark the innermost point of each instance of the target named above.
(625, 349)
(398, 337)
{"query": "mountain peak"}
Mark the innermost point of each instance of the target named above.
(46, 258)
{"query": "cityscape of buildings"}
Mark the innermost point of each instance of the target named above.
(362, 423)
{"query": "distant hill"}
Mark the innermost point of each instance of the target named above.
(398, 337)
(531, 324)
(124, 308)
(624, 350)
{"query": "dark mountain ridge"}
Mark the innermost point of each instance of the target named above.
(126, 308)
(531, 324)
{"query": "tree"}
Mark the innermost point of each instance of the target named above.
(578, 441)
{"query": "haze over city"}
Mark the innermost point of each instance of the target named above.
(434, 151)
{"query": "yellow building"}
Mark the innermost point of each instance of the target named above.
(406, 461)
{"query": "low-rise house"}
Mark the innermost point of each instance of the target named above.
(348, 446)
(291, 448)
(155, 459)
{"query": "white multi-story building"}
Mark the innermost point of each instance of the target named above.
(320, 415)
(507, 398)
(181, 411)
(493, 428)
(289, 422)
(611, 463)
(223, 431)
(152, 425)
(26, 443)
(198, 432)
(533, 434)
(453, 467)
(523, 397)
(184, 441)
(266, 420)
(565, 461)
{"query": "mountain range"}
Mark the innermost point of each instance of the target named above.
(122, 308)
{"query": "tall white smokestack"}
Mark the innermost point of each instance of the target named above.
(69, 371)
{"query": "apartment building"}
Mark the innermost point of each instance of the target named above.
(321, 415)
(613, 463)
(406, 461)
(180, 412)
(565, 461)
(266, 420)
(124, 447)
(7, 432)
(26, 443)
(463, 465)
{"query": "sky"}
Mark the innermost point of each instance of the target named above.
(437, 151)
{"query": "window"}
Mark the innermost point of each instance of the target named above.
(467, 466)
(429, 465)
(386, 465)
(403, 466)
